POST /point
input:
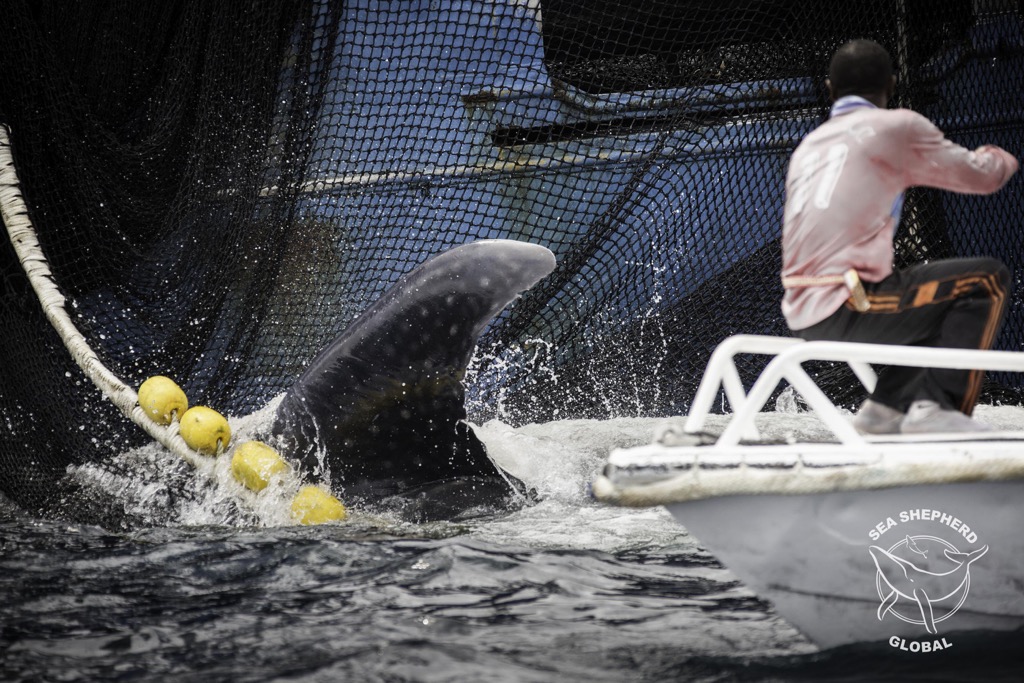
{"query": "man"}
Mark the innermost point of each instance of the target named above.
(844, 194)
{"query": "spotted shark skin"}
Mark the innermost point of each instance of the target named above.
(380, 412)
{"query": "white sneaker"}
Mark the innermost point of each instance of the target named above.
(877, 418)
(928, 417)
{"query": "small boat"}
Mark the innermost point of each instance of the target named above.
(894, 539)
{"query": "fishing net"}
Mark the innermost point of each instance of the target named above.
(220, 188)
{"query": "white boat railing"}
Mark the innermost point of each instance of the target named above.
(789, 354)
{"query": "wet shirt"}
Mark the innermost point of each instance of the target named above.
(844, 195)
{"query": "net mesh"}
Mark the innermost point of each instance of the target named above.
(221, 189)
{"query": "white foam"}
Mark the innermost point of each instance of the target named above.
(558, 459)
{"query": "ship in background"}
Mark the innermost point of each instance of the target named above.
(646, 144)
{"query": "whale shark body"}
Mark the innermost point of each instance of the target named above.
(380, 412)
(905, 580)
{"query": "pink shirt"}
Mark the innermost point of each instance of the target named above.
(844, 194)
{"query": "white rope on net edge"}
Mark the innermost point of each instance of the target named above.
(26, 245)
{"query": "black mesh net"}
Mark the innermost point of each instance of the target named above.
(220, 188)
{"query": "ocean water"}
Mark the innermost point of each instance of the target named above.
(564, 590)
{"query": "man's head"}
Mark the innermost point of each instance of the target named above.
(861, 67)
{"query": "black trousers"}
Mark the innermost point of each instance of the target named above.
(953, 303)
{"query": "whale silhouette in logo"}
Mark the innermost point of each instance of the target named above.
(380, 412)
(905, 580)
(912, 546)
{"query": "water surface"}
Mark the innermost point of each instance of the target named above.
(564, 590)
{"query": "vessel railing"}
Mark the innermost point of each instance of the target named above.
(786, 365)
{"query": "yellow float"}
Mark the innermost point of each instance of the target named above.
(313, 505)
(205, 430)
(254, 463)
(162, 400)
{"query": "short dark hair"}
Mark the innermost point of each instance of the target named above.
(860, 67)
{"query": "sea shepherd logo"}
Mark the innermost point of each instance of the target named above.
(923, 579)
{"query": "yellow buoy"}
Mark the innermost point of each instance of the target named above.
(254, 463)
(162, 400)
(205, 430)
(313, 505)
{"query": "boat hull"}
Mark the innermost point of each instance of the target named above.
(811, 556)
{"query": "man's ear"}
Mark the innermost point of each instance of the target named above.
(892, 86)
(828, 86)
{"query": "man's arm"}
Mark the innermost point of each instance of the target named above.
(934, 161)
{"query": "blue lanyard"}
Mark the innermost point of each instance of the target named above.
(844, 105)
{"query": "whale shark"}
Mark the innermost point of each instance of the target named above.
(905, 580)
(380, 415)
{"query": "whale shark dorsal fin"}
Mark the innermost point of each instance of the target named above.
(927, 615)
(380, 411)
(887, 602)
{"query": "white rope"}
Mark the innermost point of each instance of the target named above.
(30, 253)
